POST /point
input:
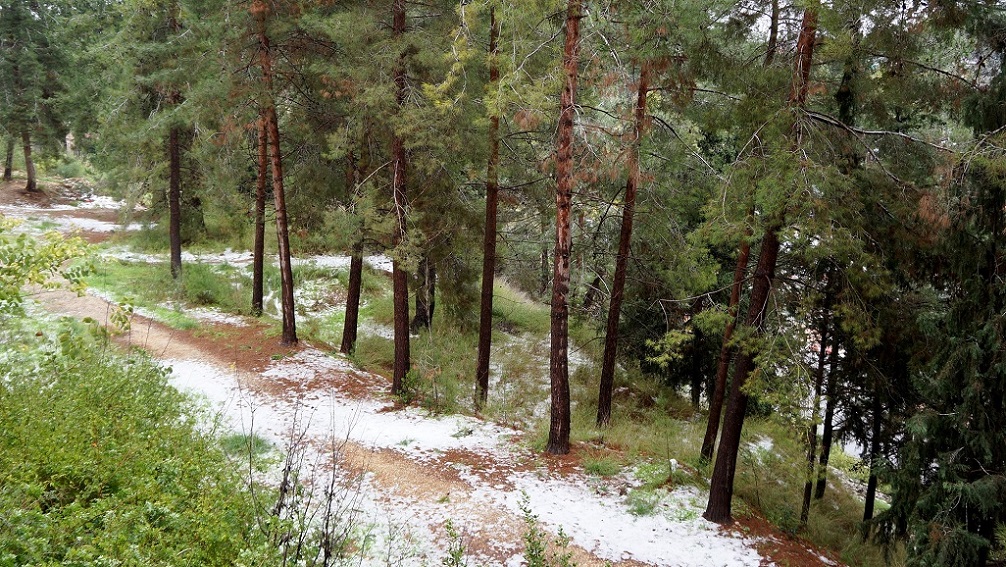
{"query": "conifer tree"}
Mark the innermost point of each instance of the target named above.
(261, 11)
(399, 276)
(491, 228)
(721, 485)
(559, 425)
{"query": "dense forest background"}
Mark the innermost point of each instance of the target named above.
(786, 209)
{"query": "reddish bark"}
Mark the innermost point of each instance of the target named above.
(489, 237)
(721, 484)
(558, 433)
(622, 258)
(400, 279)
(726, 353)
(258, 251)
(289, 336)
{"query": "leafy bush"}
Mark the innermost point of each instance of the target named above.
(101, 463)
(27, 260)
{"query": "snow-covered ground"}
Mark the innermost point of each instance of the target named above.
(435, 468)
(244, 258)
(596, 520)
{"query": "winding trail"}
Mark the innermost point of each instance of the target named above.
(408, 473)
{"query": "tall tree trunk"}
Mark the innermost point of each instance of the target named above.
(175, 202)
(261, 184)
(174, 174)
(773, 34)
(740, 270)
(558, 433)
(622, 258)
(351, 323)
(8, 164)
(829, 421)
(808, 486)
(355, 287)
(289, 336)
(489, 237)
(425, 295)
(29, 165)
(726, 353)
(722, 482)
(400, 279)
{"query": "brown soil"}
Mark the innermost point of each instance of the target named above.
(494, 532)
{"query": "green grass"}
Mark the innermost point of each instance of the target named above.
(515, 312)
(651, 424)
(601, 466)
(243, 445)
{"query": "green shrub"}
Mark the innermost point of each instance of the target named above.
(102, 463)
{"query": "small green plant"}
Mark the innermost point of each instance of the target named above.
(537, 542)
(642, 502)
(603, 466)
(456, 547)
(242, 445)
(411, 386)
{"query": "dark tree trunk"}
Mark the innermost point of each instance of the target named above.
(175, 202)
(607, 380)
(593, 292)
(400, 279)
(8, 164)
(726, 353)
(829, 422)
(489, 236)
(355, 287)
(822, 356)
(352, 303)
(773, 34)
(29, 164)
(425, 296)
(289, 336)
(871, 485)
(558, 433)
(261, 184)
(722, 483)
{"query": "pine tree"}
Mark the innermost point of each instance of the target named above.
(559, 427)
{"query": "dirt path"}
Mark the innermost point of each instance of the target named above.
(499, 532)
(426, 488)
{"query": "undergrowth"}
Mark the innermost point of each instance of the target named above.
(103, 463)
(652, 426)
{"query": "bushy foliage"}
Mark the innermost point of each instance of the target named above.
(29, 261)
(102, 462)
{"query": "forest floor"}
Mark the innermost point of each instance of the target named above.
(402, 473)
